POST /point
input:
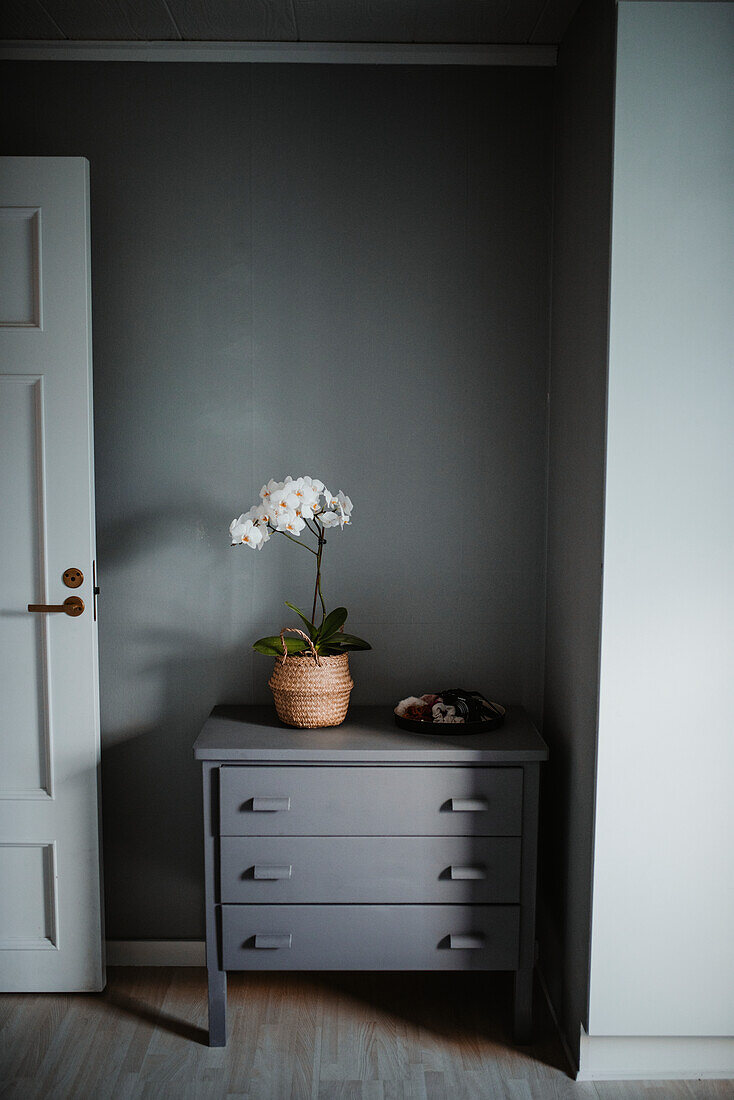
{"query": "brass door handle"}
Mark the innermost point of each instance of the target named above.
(73, 606)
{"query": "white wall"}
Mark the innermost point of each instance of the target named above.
(662, 956)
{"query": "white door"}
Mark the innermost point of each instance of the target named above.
(50, 907)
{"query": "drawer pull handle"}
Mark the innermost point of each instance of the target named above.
(469, 805)
(269, 871)
(270, 805)
(466, 942)
(467, 872)
(272, 943)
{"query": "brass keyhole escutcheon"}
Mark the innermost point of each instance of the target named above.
(73, 578)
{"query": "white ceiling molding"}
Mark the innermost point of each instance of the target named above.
(314, 53)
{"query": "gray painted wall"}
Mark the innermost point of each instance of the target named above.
(577, 418)
(336, 271)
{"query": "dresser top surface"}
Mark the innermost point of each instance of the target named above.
(248, 734)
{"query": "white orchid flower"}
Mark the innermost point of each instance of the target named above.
(339, 505)
(291, 523)
(284, 500)
(287, 506)
(267, 490)
(281, 517)
(306, 496)
(344, 508)
(246, 534)
(236, 527)
(259, 514)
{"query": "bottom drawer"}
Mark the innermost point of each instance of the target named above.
(370, 937)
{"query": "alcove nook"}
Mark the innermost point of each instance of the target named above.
(408, 280)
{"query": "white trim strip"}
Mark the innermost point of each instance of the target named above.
(655, 1058)
(309, 53)
(156, 953)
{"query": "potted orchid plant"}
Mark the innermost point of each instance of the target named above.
(313, 689)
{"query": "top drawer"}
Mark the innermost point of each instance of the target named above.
(270, 800)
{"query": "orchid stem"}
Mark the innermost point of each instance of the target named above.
(303, 544)
(323, 605)
(317, 591)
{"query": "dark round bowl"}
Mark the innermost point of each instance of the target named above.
(452, 729)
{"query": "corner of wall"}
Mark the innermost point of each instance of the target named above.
(575, 521)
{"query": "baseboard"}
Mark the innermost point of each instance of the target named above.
(655, 1058)
(156, 953)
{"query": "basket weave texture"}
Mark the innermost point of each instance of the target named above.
(311, 691)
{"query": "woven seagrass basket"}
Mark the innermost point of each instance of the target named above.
(310, 690)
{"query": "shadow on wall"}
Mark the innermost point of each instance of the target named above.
(151, 789)
(168, 654)
(171, 651)
(131, 537)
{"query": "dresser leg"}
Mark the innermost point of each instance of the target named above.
(523, 1009)
(217, 1007)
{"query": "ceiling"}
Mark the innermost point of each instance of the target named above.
(406, 21)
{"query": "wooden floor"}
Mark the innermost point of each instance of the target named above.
(294, 1036)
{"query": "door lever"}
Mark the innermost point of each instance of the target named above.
(73, 606)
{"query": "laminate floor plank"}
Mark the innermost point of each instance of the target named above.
(139, 997)
(397, 1090)
(553, 1087)
(711, 1090)
(243, 1013)
(295, 1037)
(27, 1034)
(98, 1072)
(306, 1043)
(61, 1053)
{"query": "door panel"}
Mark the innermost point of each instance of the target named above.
(50, 909)
(24, 753)
(20, 267)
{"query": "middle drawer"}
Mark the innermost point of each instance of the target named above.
(368, 869)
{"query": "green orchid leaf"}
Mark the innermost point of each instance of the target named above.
(273, 646)
(333, 621)
(349, 641)
(341, 643)
(310, 627)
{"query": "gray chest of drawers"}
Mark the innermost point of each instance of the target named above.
(364, 847)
